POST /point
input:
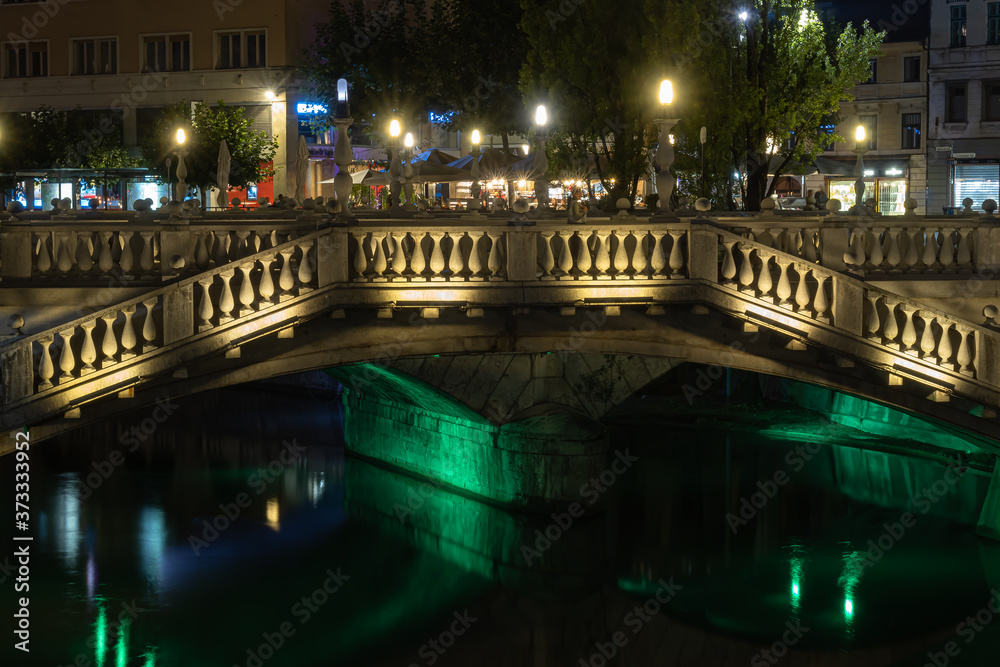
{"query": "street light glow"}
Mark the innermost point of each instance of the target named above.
(341, 90)
(743, 16)
(408, 141)
(859, 133)
(666, 92)
(180, 137)
(394, 129)
(269, 94)
(525, 148)
(541, 116)
(475, 137)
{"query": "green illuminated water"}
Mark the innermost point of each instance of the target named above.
(115, 580)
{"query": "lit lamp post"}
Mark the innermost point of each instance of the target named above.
(703, 138)
(859, 170)
(343, 156)
(395, 167)
(541, 163)
(665, 151)
(181, 188)
(408, 169)
(476, 190)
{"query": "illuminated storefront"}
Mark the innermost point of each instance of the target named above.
(976, 181)
(886, 181)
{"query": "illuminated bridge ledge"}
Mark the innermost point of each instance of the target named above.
(539, 458)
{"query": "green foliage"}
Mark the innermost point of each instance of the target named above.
(252, 152)
(48, 138)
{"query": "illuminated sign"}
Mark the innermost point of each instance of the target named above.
(305, 109)
(893, 171)
(869, 172)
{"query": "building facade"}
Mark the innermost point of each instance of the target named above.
(134, 58)
(964, 103)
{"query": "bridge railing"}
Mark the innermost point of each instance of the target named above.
(897, 325)
(62, 358)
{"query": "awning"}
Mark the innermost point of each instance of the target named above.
(834, 167)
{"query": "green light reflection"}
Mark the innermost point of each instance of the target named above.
(100, 633)
(121, 648)
(850, 578)
(796, 566)
(150, 659)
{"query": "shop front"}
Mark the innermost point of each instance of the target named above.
(974, 180)
(886, 181)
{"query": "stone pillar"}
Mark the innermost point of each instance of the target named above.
(848, 310)
(175, 241)
(833, 243)
(703, 254)
(15, 249)
(331, 264)
(178, 314)
(522, 255)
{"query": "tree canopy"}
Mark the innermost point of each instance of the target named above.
(252, 152)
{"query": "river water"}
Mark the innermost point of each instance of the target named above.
(234, 531)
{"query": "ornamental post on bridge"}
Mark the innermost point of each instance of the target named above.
(541, 165)
(664, 157)
(343, 157)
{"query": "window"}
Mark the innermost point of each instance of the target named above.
(991, 100)
(993, 23)
(870, 124)
(828, 128)
(911, 130)
(167, 53)
(247, 48)
(872, 71)
(977, 182)
(95, 56)
(26, 59)
(955, 104)
(958, 25)
(911, 68)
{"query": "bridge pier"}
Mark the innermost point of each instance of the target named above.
(544, 457)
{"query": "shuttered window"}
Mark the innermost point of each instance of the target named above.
(978, 182)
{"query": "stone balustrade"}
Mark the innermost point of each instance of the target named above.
(255, 281)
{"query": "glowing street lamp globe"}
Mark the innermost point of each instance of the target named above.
(666, 92)
(180, 137)
(394, 129)
(476, 138)
(408, 141)
(859, 133)
(541, 115)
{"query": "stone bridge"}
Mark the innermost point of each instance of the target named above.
(500, 317)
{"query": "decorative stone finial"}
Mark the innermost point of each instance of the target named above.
(967, 204)
(702, 204)
(521, 205)
(177, 262)
(15, 207)
(990, 313)
(308, 204)
(16, 322)
(65, 204)
(140, 205)
(834, 205)
(333, 206)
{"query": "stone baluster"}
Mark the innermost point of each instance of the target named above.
(242, 244)
(872, 323)
(602, 256)
(84, 253)
(796, 242)
(105, 260)
(64, 261)
(909, 336)
(964, 357)
(201, 257)
(764, 282)
(875, 254)
(437, 264)
(149, 327)
(639, 260)
(126, 261)
(360, 260)
(658, 259)
(620, 260)
(927, 342)
(784, 284)
(944, 350)
(548, 261)
(728, 264)
(109, 344)
(129, 339)
(911, 254)
(809, 241)
(306, 264)
(676, 256)
(802, 296)
(246, 294)
(565, 262)
(418, 260)
(226, 301)
(456, 263)
(891, 330)
(746, 270)
(66, 360)
(856, 254)
(820, 303)
(493, 262)
(475, 260)
(764, 238)
(266, 287)
(44, 259)
(206, 310)
(892, 253)
(946, 256)
(45, 368)
(398, 258)
(379, 262)
(88, 351)
(221, 247)
(930, 250)
(583, 262)
(964, 253)
(146, 258)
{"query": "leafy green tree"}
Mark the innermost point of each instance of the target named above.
(252, 152)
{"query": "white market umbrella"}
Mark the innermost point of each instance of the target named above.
(301, 168)
(222, 174)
